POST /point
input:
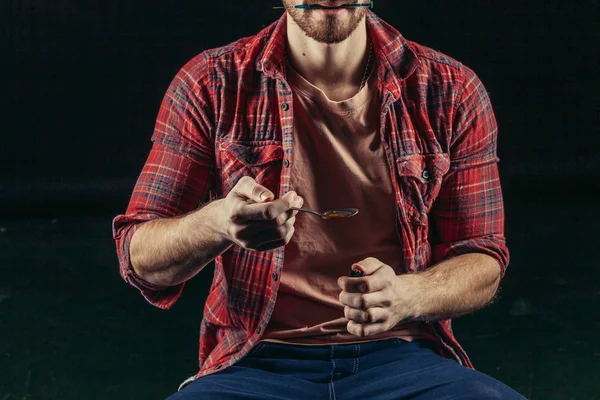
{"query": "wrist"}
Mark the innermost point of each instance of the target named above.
(213, 218)
(411, 296)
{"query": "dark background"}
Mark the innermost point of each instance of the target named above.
(84, 81)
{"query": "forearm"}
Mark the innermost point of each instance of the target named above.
(452, 288)
(169, 251)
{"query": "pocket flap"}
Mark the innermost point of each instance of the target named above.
(254, 153)
(425, 167)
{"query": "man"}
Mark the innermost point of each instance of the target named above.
(329, 107)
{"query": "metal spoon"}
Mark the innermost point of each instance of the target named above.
(339, 213)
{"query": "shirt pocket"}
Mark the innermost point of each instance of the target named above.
(420, 180)
(259, 160)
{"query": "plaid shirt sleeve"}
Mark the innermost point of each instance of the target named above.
(178, 172)
(469, 212)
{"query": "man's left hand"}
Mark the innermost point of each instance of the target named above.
(373, 303)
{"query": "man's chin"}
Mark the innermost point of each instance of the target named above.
(330, 33)
(329, 29)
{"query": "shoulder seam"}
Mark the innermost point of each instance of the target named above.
(458, 65)
(425, 52)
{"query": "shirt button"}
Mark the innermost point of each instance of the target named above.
(286, 163)
(285, 106)
(258, 330)
(426, 175)
(250, 159)
(275, 276)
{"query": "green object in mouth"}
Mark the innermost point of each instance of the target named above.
(349, 5)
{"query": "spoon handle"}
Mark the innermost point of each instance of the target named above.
(308, 211)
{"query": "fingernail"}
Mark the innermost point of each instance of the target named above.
(264, 196)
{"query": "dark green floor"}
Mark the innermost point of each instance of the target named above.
(71, 329)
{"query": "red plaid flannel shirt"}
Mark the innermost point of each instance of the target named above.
(229, 112)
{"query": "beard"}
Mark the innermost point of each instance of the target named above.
(330, 29)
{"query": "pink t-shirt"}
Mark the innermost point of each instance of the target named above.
(338, 162)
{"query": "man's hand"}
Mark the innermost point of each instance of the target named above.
(253, 220)
(373, 303)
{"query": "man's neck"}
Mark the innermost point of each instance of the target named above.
(337, 69)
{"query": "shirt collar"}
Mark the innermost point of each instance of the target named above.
(396, 59)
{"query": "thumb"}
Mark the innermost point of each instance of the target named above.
(248, 188)
(368, 266)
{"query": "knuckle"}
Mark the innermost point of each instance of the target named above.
(234, 217)
(345, 299)
(362, 302)
(280, 220)
(362, 331)
(289, 235)
(236, 212)
(282, 232)
(269, 213)
(365, 286)
(235, 231)
(289, 232)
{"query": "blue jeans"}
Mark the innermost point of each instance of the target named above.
(386, 369)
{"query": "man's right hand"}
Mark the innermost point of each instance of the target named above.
(253, 220)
